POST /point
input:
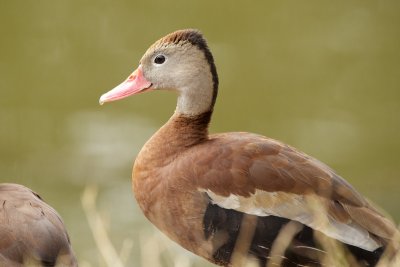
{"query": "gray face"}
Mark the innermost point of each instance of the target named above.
(183, 68)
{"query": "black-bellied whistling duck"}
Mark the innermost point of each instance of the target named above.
(31, 232)
(207, 192)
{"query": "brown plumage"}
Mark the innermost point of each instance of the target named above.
(31, 232)
(202, 190)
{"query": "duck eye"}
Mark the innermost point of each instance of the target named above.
(159, 59)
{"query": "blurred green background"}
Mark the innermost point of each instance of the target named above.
(323, 76)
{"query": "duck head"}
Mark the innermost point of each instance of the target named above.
(181, 62)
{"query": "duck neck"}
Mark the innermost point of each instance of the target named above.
(198, 99)
(183, 131)
(188, 126)
(178, 134)
(190, 130)
(193, 111)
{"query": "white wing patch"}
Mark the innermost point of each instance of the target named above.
(298, 208)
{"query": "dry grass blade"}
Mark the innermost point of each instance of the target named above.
(96, 224)
(247, 228)
(337, 254)
(126, 250)
(282, 242)
(150, 250)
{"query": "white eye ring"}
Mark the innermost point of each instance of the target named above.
(159, 59)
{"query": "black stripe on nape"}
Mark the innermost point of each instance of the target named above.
(196, 38)
(222, 227)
